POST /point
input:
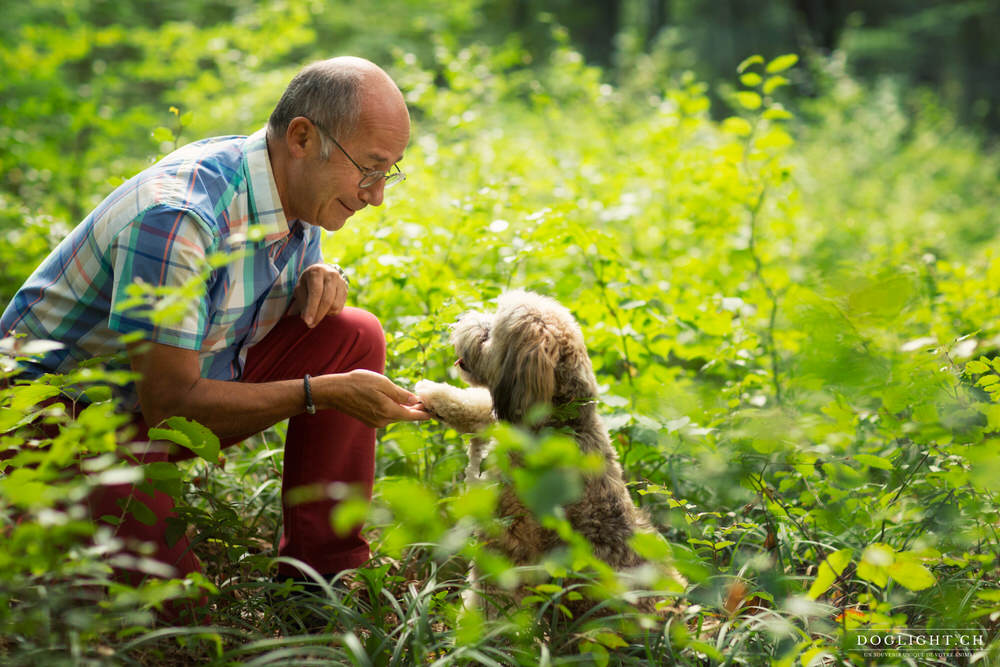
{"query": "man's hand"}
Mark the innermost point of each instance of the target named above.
(321, 291)
(368, 397)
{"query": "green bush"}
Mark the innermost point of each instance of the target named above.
(788, 312)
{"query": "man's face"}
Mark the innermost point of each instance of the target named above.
(328, 192)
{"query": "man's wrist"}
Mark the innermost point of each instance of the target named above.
(326, 390)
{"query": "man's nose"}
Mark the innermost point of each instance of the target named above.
(372, 195)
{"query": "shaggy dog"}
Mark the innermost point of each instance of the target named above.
(530, 352)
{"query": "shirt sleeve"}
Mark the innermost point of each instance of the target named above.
(161, 255)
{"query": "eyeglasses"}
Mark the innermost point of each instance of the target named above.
(369, 177)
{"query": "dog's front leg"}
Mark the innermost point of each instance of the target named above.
(468, 410)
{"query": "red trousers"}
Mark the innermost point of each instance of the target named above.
(320, 449)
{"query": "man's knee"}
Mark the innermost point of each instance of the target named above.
(366, 324)
(362, 331)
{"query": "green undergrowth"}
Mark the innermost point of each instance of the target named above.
(790, 314)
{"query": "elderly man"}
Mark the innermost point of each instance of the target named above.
(268, 336)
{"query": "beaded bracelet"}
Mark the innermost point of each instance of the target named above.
(310, 406)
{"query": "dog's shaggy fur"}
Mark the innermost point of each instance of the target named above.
(531, 352)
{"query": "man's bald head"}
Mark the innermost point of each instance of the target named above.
(335, 93)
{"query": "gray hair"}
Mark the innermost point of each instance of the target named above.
(327, 92)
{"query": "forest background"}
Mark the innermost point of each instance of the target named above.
(784, 268)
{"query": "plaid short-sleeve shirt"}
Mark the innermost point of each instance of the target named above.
(212, 199)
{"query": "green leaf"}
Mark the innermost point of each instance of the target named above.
(876, 575)
(748, 99)
(875, 560)
(706, 648)
(11, 418)
(138, 509)
(751, 79)
(202, 441)
(736, 125)
(598, 654)
(874, 461)
(169, 435)
(808, 657)
(777, 113)
(781, 63)
(610, 639)
(162, 470)
(775, 138)
(548, 589)
(992, 413)
(348, 515)
(976, 366)
(650, 546)
(831, 568)
(175, 530)
(163, 134)
(27, 396)
(478, 501)
(543, 491)
(470, 626)
(752, 60)
(773, 83)
(21, 487)
(911, 575)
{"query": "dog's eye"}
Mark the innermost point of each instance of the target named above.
(461, 364)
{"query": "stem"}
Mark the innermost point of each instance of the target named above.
(772, 296)
(599, 274)
(777, 500)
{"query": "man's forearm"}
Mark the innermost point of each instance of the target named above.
(230, 409)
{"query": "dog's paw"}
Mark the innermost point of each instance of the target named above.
(466, 410)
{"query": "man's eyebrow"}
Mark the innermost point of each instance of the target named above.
(380, 157)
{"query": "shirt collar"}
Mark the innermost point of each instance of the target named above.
(265, 204)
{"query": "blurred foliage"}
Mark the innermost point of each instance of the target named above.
(785, 280)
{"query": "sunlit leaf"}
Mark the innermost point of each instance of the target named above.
(781, 63)
(752, 60)
(831, 568)
(773, 83)
(736, 125)
(911, 574)
(874, 563)
(748, 99)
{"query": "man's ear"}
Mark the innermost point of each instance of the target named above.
(298, 137)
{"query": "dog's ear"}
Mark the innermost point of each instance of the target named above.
(527, 376)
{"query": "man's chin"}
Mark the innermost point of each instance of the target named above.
(332, 224)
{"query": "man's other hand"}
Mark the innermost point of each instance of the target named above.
(321, 291)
